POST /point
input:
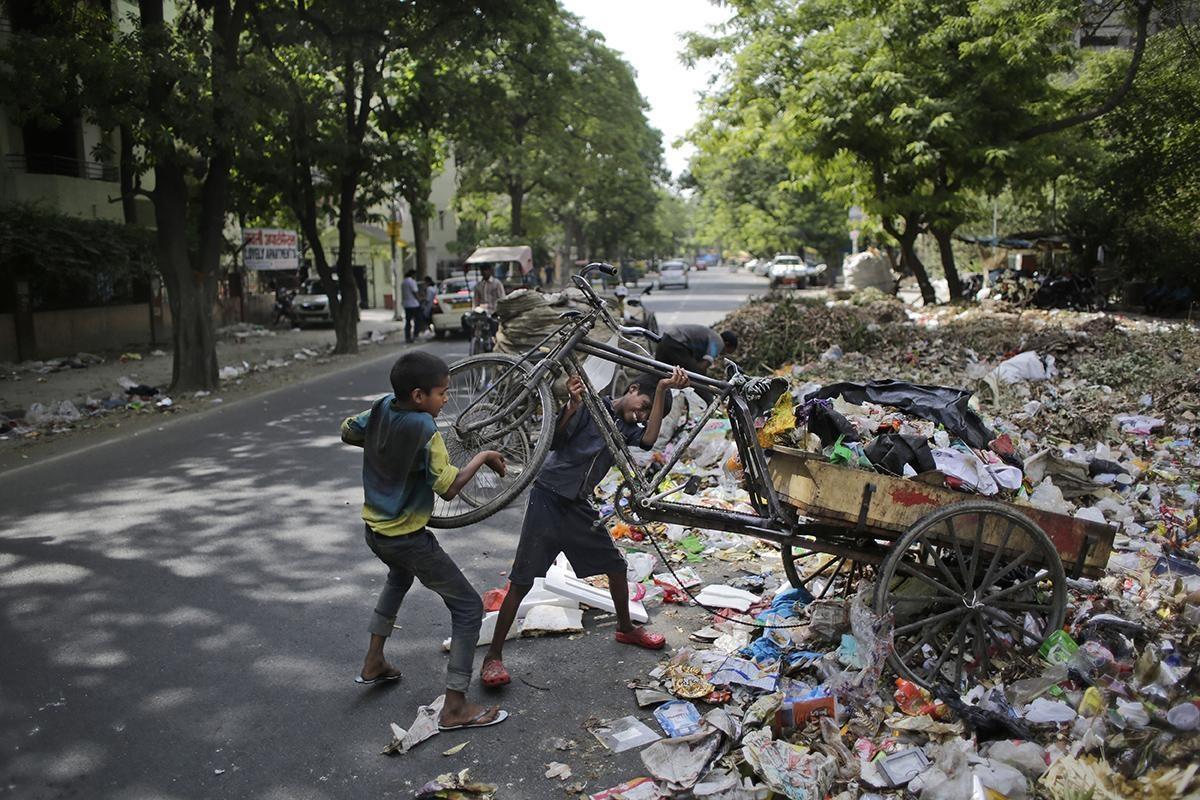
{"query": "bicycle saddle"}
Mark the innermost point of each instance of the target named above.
(761, 392)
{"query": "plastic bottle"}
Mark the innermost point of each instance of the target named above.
(731, 476)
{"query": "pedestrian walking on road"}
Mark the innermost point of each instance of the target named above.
(560, 517)
(428, 295)
(404, 463)
(410, 298)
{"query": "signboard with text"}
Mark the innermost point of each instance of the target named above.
(270, 248)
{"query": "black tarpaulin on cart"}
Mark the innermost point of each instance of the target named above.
(940, 404)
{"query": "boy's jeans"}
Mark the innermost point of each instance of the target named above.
(418, 555)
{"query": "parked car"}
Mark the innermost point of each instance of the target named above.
(672, 273)
(451, 304)
(788, 271)
(311, 304)
(700, 266)
(762, 267)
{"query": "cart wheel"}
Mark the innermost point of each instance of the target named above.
(966, 582)
(836, 576)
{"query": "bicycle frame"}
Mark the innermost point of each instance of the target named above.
(559, 349)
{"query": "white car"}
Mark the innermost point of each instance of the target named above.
(311, 304)
(453, 300)
(672, 273)
(793, 271)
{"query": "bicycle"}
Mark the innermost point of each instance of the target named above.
(505, 403)
(483, 326)
(974, 563)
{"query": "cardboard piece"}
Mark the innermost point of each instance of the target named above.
(548, 619)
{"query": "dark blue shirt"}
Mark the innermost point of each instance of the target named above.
(579, 457)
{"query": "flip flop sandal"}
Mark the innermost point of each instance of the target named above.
(642, 638)
(475, 723)
(360, 680)
(494, 674)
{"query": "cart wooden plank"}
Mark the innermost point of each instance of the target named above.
(886, 505)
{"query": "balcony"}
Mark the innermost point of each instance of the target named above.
(39, 164)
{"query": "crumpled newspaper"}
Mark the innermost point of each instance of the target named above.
(422, 728)
(456, 786)
(795, 771)
(681, 761)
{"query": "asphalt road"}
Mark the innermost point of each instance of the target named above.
(182, 614)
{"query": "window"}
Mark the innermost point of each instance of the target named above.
(441, 220)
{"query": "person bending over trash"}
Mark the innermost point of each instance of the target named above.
(560, 517)
(404, 463)
(694, 347)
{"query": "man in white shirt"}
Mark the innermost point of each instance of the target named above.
(410, 298)
(488, 291)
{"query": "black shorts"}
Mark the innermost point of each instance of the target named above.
(555, 524)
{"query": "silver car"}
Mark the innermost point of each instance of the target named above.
(672, 273)
(311, 304)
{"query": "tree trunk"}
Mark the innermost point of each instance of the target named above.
(420, 225)
(128, 179)
(181, 219)
(345, 307)
(909, 261)
(516, 199)
(190, 291)
(946, 250)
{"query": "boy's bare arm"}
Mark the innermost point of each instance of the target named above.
(575, 390)
(492, 458)
(678, 380)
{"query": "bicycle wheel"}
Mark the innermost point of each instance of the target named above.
(481, 387)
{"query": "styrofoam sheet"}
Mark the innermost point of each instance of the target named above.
(567, 585)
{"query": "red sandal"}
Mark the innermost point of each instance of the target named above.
(643, 638)
(494, 674)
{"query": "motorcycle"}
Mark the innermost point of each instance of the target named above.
(483, 326)
(283, 306)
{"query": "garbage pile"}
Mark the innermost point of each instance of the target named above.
(58, 417)
(39, 420)
(80, 360)
(783, 693)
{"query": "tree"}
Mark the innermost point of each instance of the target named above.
(174, 88)
(331, 65)
(928, 101)
(1134, 191)
(566, 142)
(749, 197)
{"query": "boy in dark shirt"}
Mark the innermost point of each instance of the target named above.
(404, 463)
(560, 517)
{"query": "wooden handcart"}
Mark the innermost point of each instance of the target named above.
(972, 583)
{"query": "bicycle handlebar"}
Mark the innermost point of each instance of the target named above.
(633, 330)
(607, 269)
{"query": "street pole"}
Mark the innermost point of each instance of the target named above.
(393, 234)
